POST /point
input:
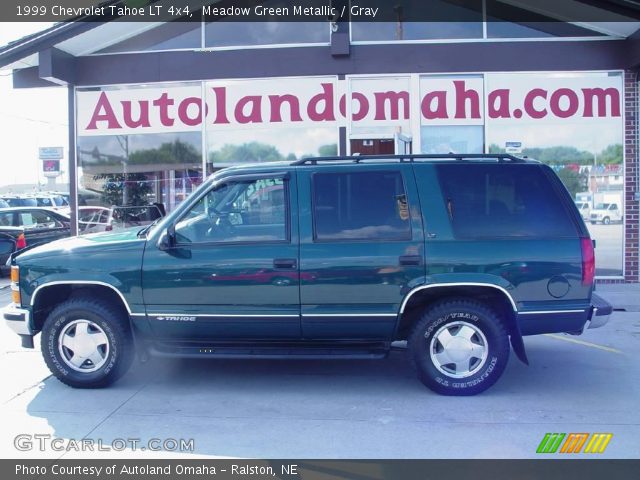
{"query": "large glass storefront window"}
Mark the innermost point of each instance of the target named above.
(452, 114)
(237, 147)
(142, 150)
(572, 122)
(269, 120)
(126, 178)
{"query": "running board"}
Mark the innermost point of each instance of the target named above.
(276, 351)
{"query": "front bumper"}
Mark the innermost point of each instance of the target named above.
(600, 312)
(17, 319)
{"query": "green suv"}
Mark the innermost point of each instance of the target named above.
(334, 257)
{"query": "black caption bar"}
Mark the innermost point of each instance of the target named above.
(320, 10)
(319, 469)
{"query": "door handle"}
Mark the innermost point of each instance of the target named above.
(411, 260)
(283, 263)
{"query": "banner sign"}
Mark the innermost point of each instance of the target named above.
(322, 101)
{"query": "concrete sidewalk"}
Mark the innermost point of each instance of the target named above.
(623, 296)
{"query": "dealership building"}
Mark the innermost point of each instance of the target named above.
(156, 107)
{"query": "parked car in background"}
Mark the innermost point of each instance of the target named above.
(94, 219)
(40, 225)
(55, 202)
(102, 219)
(20, 201)
(585, 210)
(606, 213)
(12, 239)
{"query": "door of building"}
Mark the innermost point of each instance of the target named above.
(374, 146)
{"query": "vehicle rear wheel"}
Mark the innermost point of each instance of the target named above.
(606, 221)
(459, 347)
(87, 343)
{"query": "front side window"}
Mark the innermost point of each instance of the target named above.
(360, 206)
(238, 211)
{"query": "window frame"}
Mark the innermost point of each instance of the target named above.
(285, 176)
(356, 240)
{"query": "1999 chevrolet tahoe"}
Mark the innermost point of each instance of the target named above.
(333, 257)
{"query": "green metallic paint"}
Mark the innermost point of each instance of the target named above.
(346, 290)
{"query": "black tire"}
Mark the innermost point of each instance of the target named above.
(593, 223)
(606, 221)
(106, 320)
(457, 314)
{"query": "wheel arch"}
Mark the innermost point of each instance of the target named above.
(48, 295)
(494, 296)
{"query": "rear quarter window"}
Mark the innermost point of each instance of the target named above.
(498, 200)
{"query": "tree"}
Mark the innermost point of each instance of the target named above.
(245, 153)
(573, 181)
(611, 155)
(137, 188)
(329, 150)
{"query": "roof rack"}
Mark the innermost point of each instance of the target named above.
(500, 157)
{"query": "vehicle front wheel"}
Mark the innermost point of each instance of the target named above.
(606, 221)
(459, 347)
(87, 343)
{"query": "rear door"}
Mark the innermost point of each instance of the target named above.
(361, 247)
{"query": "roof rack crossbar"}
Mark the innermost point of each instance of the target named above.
(500, 157)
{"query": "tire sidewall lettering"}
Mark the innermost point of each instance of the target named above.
(54, 354)
(452, 382)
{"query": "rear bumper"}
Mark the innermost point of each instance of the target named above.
(17, 319)
(600, 312)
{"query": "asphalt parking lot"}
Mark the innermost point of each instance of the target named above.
(334, 409)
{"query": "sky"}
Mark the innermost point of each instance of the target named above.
(29, 118)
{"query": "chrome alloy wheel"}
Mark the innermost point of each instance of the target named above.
(83, 346)
(459, 349)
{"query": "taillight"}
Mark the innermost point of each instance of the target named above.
(588, 261)
(21, 242)
(15, 284)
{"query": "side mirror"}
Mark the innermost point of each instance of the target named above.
(168, 239)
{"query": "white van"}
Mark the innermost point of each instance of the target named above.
(606, 213)
(585, 210)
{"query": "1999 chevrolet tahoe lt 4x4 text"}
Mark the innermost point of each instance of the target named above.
(334, 257)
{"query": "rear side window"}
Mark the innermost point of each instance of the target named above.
(503, 201)
(360, 206)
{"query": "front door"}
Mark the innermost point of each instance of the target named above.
(232, 272)
(361, 248)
